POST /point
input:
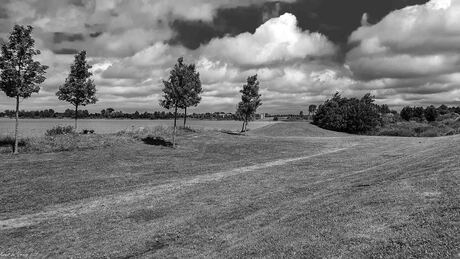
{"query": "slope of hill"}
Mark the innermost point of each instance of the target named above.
(238, 196)
(295, 129)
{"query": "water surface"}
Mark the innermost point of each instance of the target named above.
(38, 127)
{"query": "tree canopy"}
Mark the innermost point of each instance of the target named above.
(20, 75)
(79, 89)
(348, 114)
(250, 101)
(181, 90)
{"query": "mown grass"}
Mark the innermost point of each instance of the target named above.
(219, 195)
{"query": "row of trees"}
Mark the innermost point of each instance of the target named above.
(21, 75)
(183, 89)
(111, 113)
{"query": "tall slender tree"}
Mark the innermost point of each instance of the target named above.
(79, 89)
(20, 75)
(191, 85)
(311, 109)
(250, 101)
(182, 90)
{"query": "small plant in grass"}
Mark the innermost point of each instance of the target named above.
(59, 130)
(156, 141)
(87, 131)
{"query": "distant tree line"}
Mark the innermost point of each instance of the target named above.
(110, 113)
(429, 113)
(362, 115)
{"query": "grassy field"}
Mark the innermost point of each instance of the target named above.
(285, 190)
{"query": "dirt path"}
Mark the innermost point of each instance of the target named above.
(154, 193)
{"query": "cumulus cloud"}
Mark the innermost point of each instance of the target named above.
(277, 40)
(411, 56)
(414, 41)
(414, 52)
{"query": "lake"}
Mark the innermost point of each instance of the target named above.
(38, 127)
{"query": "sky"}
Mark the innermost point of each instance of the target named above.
(404, 52)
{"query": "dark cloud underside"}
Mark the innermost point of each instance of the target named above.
(65, 51)
(59, 37)
(334, 18)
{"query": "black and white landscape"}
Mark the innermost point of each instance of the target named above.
(229, 128)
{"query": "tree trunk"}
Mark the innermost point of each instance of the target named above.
(242, 129)
(185, 116)
(16, 149)
(76, 116)
(175, 124)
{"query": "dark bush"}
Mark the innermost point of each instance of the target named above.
(87, 131)
(407, 113)
(350, 115)
(275, 118)
(7, 141)
(431, 113)
(59, 130)
(419, 114)
(157, 141)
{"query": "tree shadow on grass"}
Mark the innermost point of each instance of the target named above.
(157, 141)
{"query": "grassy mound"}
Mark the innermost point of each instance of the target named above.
(295, 129)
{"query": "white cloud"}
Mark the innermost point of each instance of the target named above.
(409, 42)
(412, 55)
(277, 40)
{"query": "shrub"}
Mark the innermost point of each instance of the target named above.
(87, 131)
(393, 132)
(429, 133)
(157, 141)
(275, 118)
(350, 115)
(59, 130)
(449, 116)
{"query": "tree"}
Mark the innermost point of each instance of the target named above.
(20, 75)
(407, 113)
(431, 113)
(419, 113)
(301, 114)
(311, 109)
(188, 79)
(79, 88)
(175, 93)
(443, 109)
(384, 109)
(250, 101)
